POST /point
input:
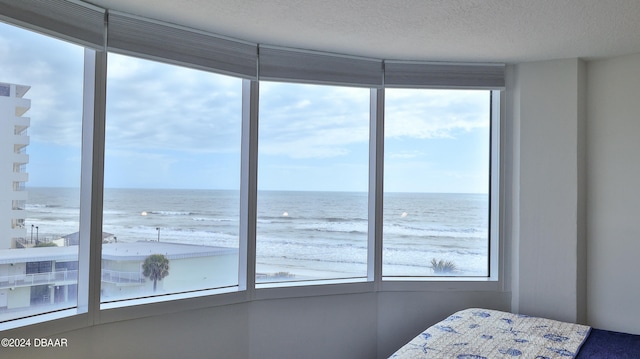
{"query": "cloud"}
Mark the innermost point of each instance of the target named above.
(54, 71)
(405, 154)
(307, 121)
(165, 121)
(155, 105)
(434, 113)
(312, 121)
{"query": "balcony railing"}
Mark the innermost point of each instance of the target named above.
(21, 131)
(28, 280)
(66, 277)
(118, 277)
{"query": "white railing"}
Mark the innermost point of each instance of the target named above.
(112, 276)
(66, 277)
(27, 280)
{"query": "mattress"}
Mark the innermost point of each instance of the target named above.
(478, 333)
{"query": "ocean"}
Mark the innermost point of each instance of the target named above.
(303, 235)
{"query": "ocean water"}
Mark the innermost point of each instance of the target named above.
(307, 235)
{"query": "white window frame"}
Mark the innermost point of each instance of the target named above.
(91, 312)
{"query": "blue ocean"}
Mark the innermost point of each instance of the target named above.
(305, 235)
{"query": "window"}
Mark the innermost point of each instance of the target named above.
(172, 177)
(312, 182)
(39, 267)
(177, 188)
(436, 183)
(41, 92)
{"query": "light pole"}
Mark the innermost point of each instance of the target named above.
(32, 233)
(36, 234)
(158, 229)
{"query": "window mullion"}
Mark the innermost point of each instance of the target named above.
(376, 175)
(495, 252)
(92, 179)
(248, 186)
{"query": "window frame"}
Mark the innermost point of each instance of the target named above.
(117, 302)
(324, 88)
(36, 266)
(90, 311)
(494, 257)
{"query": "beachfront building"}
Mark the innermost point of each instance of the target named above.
(191, 267)
(32, 278)
(37, 277)
(13, 159)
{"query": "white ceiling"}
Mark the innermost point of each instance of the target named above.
(438, 30)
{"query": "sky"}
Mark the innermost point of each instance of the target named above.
(173, 127)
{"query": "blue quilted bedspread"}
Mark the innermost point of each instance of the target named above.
(487, 334)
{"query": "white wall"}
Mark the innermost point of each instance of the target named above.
(573, 190)
(545, 111)
(614, 193)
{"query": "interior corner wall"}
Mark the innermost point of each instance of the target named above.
(613, 131)
(582, 181)
(546, 108)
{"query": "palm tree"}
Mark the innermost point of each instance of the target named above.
(155, 267)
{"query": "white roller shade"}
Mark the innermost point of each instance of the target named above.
(134, 35)
(77, 22)
(282, 64)
(444, 75)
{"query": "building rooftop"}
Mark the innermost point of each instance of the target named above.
(20, 89)
(142, 249)
(114, 251)
(37, 254)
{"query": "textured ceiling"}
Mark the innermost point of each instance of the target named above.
(439, 30)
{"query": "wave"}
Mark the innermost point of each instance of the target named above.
(293, 226)
(205, 219)
(289, 216)
(336, 227)
(39, 207)
(36, 205)
(402, 231)
(171, 213)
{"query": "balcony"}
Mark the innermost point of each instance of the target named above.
(29, 280)
(22, 105)
(19, 187)
(18, 204)
(24, 122)
(20, 139)
(20, 177)
(21, 130)
(20, 158)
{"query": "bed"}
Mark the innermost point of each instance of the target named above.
(477, 333)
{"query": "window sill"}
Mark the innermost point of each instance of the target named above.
(440, 284)
(70, 319)
(54, 322)
(170, 303)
